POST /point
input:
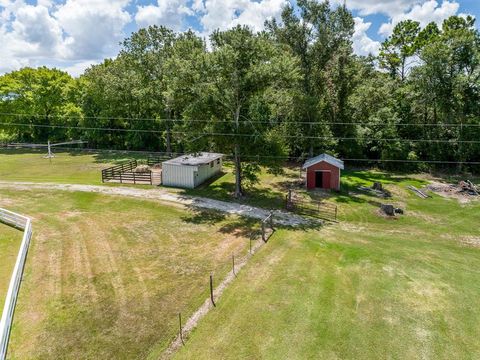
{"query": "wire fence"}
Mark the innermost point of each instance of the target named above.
(216, 281)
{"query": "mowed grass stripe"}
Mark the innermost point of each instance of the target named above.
(106, 276)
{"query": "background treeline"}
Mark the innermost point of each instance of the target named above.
(294, 90)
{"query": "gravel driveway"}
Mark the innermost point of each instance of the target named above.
(280, 217)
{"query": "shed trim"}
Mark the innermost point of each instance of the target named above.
(326, 158)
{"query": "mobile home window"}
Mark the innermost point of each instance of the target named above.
(211, 164)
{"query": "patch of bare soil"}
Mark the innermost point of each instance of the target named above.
(452, 191)
(471, 241)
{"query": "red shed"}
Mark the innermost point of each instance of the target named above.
(323, 171)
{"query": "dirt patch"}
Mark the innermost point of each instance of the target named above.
(452, 191)
(473, 241)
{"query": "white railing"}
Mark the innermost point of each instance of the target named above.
(22, 223)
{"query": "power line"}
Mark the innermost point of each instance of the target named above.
(249, 156)
(439, 141)
(229, 121)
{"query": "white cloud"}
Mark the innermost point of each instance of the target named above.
(425, 13)
(35, 32)
(387, 7)
(79, 68)
(75, 32)
(169, 13)
(362, 43)
(93, 27)
(222, 14)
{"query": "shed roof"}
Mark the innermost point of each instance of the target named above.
(324, 157)
(194, 159)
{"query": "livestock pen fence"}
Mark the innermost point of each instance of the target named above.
(316, 208)
(22, 223)
(125, 173)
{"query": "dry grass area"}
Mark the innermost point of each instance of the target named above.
(106, 276)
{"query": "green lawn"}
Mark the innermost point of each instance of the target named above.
(366, 288)
(70, 168)
(269, 192)
(10, 240)
(106, 276)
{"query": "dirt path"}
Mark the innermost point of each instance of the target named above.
(280, 217)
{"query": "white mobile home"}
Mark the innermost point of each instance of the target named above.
(189, 171)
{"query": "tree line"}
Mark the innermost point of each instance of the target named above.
(294, 90)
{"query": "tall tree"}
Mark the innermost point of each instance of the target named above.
(236, 76)
(321, 38)
(399, 48)
(42, 97)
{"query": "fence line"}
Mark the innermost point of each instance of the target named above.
(111, 172)
(22, 223)
(215, 292)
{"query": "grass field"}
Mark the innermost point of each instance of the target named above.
(70, 168)
(10, 240)
(106, 276)
(366, 288)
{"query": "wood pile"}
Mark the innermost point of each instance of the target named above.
(141, 169)
(376, 190)
(464, 189)
(418, 192)
(468, 187)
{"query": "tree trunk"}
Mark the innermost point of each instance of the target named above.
(310, 141)
(238, 163)
(168, 140)
(238, 173)
(169, 146)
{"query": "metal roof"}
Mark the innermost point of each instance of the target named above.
(324, 157)
(194, 159)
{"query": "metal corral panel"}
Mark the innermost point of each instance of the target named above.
(178, 175)
(206, 171)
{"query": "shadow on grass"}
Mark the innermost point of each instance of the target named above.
(200, 216)
(221, 189)
(240, 226)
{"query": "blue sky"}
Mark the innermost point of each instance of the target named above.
(73, 34)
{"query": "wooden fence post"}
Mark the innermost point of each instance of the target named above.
(263, 230)
(336, 209)
(233, 264)
(181, 330)
(250, 245)
(211, 290)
